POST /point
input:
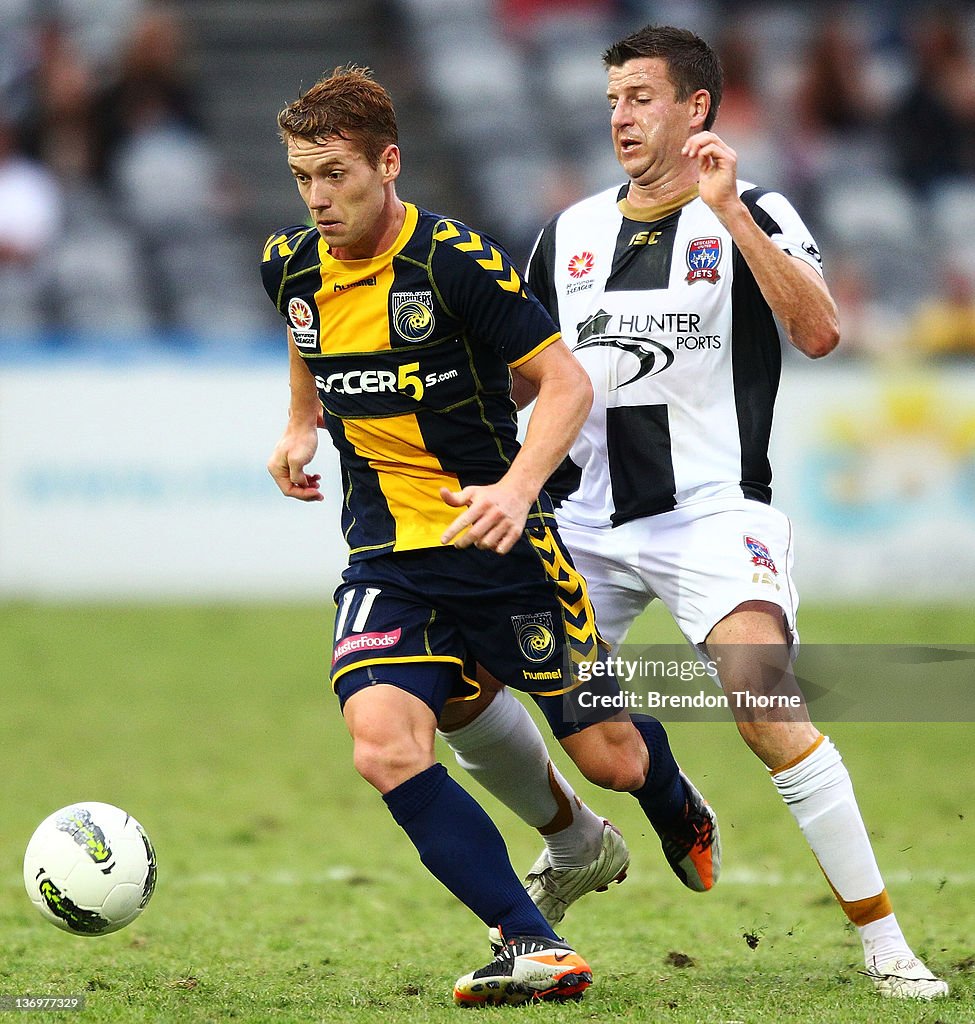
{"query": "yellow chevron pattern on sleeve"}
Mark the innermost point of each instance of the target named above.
(494, 263)
(446, 230)
(487, 256)
(279, 242)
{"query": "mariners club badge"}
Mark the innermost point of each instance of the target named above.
(535, 635)
(703, 257)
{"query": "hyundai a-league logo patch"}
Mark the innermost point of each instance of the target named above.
(301, 318)
(535, 635)
(581, 264)
(580, 268)
(413, 315)
(760, 554)
(703, 257)
(300, 314)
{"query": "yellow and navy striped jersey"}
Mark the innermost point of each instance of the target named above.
(410, 351)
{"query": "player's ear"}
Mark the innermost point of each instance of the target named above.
(700, 107)
(389, 163)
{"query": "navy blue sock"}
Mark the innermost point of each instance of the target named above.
(662, 796)
(461, 847)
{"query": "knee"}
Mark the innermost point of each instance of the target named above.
(622, 776)
(385, 763)
(611, 755)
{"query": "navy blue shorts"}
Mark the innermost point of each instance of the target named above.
(422, 620)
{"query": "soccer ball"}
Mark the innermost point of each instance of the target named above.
(90, 868)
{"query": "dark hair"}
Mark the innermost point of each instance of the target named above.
(691, 63)
(346, 104)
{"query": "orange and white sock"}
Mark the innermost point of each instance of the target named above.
(817, 789)
(504, 751)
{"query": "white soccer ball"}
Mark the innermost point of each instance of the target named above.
(90, 868)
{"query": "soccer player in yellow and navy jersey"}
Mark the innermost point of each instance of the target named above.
(403, 327)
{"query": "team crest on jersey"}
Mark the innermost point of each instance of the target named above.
(413, 315)
(760, 554)
(703, 257)
(535, 635)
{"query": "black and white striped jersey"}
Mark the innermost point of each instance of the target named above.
(682, 349)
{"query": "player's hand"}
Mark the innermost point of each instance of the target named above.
(287, 466)
(717, 165)
(493, 518)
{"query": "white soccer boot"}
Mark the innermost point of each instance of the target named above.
(554, 890)
(905, 978)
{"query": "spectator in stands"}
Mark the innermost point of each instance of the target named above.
(836, 106)
(30, 215)
(932, 130)
(170, 183)
(93, 276)
(747, 121)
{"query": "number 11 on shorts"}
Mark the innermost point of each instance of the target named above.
(363, 600)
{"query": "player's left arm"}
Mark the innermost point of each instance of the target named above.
(796, 293)
(495, 515)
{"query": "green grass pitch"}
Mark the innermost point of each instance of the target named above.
(287, 894)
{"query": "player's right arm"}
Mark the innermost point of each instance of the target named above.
(299, 442)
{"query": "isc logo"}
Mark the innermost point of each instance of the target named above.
(645, 238)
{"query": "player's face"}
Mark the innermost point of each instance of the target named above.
(346, 196)
(649, 125)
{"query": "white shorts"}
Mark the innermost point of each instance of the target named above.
(702, 561)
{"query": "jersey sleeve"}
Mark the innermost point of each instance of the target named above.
(478, 282)
(278, 250)
(776, 216)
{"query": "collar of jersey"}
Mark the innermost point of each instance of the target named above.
(381, 259)
(648, 214)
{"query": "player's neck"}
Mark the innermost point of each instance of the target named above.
(656, 201)
(667, 190)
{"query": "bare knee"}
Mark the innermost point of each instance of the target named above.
(386, 763)
(611, 755)
(392, 735)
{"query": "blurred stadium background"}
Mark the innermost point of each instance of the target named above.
(142, 372)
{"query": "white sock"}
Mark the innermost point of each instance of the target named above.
(819, 793)
(883, 941)
(504, 751)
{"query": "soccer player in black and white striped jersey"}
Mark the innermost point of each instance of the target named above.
(668, 290)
